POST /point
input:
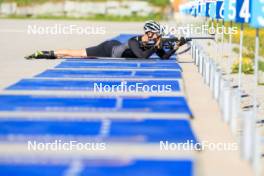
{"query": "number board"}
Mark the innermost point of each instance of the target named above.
(243, 11)
(195, 6)
(198, 8)
(184, 9)
(207, 9)
(220, 9)
(193, 10)
(203, 9)
(230, 10)
(257, 12)
(212, 9)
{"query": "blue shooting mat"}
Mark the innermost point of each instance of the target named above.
(55, 73)
(51, 84)
(18, 103)
(97, 167)
(119, 65)
(128, 130)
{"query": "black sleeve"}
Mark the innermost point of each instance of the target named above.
(134, 45)
(165, 55)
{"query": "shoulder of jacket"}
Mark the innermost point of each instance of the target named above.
(137, 38)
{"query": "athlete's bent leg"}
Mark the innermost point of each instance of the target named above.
(70, 53)
(57, 54)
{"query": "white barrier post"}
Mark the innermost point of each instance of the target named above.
(226, 102)
(193, 51)
(246, 141)
(196, 55)
(235, 104)
(204, 63)
(207, 71)
(212, 72)
(255, 109)
(223, 85)
(201, 62)
(220, 77)
(217, 82)
(257, 154)
(205, 68)
(198, 58)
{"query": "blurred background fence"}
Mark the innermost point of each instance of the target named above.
(157, 9)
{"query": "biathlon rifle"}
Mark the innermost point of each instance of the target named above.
(170, 42)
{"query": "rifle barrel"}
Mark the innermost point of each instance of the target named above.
(201, 38)
(175, 39)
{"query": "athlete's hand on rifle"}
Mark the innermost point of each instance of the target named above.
(176, 46)
(158, 44)
(182, 41)
(179, 43)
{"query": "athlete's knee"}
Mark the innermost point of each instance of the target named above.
(83, 53)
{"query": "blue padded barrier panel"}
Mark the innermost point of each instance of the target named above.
(98, 167)
(47, 103)
(51, 84)
(84, 64)
(94, 104)
(129, 130)
(49, 127)
(119, 60)
(109, 74)
(157, 104)
(178, 131)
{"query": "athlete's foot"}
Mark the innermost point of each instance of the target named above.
(41, 55)
(36, 55)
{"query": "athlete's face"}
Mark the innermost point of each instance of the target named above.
(152, 35)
